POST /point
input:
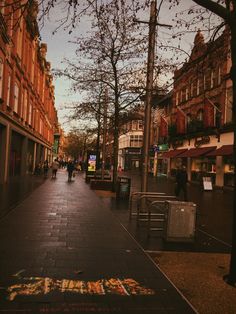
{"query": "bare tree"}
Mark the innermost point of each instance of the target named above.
(111, 55)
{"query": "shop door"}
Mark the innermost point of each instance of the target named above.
(15, 154)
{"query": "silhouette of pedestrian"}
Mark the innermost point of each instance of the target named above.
(181, 182)
(55, 166)
(45, 168)
(70, 169)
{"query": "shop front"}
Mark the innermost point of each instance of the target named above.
(30, 157)
(224, 165)
(175, 161)
(132, 158)
(228, 170)
(199, 164)
(2, 151)
(15, 154)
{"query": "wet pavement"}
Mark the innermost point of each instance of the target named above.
(64, 251)
(16, 190)
(213, 217)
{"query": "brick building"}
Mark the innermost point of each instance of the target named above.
(131, 142)
(200, 131)
(27, 112)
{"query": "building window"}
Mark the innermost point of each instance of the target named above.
(177, 99)
(191, 89)
(183, 95)
(140, 124)
(20, 38)
(187, 93)
(194, 88)
(32, 63)
(200, 115)
(219, 76)
(229, 103)
(8, 89)
(217, 116)
(16, 98)
(30, 114)
(40, 126)
(207, 79)
(2, 6)
(214, 78)
(36, 120)
(134, 125)
(189, 118)
(1, 77)
(136, 140)
(9, 18)
(25, 105)
(198, 86)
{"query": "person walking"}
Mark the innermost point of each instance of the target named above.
(181, 183)
(45, 168)
(70, 169)
(55, 166)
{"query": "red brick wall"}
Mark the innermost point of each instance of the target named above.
(24, 59)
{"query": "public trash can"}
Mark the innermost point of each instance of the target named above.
(123, 187)
(181, 221)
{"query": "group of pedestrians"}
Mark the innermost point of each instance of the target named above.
(70, 169)
(55, 166)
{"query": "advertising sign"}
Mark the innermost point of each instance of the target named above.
(91, 162)
(207, 183)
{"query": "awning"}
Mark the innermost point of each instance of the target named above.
(173, 153)
(224, 150)
(196, 152)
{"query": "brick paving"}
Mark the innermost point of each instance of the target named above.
(60, 240)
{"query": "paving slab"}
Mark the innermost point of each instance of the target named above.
(63, 251)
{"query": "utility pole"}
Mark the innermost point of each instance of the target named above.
(149, 87)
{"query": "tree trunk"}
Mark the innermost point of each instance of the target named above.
(231, 277)
(116, 148)
(98, 139)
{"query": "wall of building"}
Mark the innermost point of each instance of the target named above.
(202, 110)
(27, 112)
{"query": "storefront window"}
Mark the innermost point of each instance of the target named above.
(203, 167)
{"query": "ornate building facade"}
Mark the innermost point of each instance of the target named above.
(27, 113)
(200, 132)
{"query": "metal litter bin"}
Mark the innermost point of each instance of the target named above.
(123, 187)
(181, 221)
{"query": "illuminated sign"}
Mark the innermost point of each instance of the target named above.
(91, 162)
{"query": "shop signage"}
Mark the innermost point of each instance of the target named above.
(201, 141)
(133, 151)
(92, 162)
(207, 183)
(55, 146)
(161, 148)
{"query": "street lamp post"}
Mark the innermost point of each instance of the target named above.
(149, 86)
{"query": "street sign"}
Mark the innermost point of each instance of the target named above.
(161, 148)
